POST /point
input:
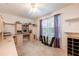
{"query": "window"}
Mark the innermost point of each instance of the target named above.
(48, 28)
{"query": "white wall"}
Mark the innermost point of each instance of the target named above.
(67, 12)
(13, 18)
(8, 18)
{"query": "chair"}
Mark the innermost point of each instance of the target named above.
(43, 39)
(52, 41)
(46, 41)
(40, 38)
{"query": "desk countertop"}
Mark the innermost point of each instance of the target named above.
(7, 47)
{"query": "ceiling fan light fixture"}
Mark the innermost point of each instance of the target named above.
(34, 5)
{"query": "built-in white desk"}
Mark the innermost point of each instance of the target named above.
(7, 47)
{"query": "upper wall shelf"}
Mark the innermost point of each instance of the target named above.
(9, 23)
(73, 19)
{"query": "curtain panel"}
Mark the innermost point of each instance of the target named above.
(57, 31)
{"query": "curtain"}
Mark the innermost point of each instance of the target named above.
(57, 31)
(40, 29)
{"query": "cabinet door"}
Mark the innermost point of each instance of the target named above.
(19, 40)
(1, 28)
(1, 24)
(30, 27)
(19, 27)
(70, 46)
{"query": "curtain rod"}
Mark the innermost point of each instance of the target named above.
(50, 16)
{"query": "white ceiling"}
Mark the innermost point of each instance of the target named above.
(24, 9)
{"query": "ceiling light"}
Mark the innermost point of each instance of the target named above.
(34, 8)
(34, 5)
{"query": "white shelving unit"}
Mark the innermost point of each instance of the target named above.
(73, 19)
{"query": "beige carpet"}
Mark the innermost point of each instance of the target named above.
(36, 48)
